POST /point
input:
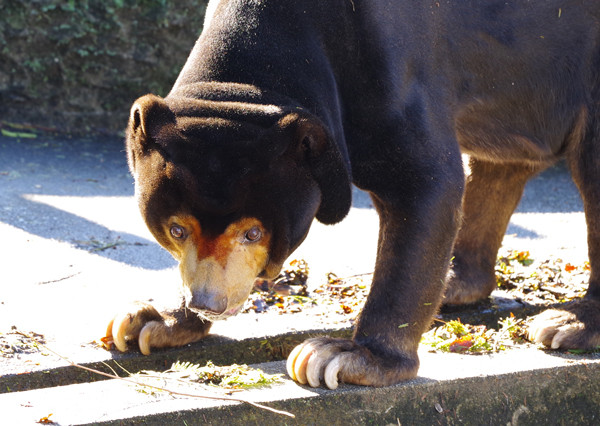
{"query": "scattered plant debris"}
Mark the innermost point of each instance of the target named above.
(289, 292)
(94, 245)
(16, 343)
(584, 351)
(518, 275)
(17, 131)
(226, 377)
(540, 282)
(454, 336)
(347, 295)
(154, 387)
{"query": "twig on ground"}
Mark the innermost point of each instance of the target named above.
(59, 279)
(170, 392)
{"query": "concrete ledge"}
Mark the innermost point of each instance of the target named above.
(231, 346)
(220, 350)
(520, 386)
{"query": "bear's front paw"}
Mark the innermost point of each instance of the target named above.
(333, 360)
(134, 324)
(151, 329)
(575, 326)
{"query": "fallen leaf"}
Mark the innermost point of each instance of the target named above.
(46, 420)
(461, 344)
(24, 135)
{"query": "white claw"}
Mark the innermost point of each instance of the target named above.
(313, 370)
(532, 334)
(558, 339)
(331, 372)
(119, 331)
(146, 335)
(535, 332)
(289, 365)
(301, 361)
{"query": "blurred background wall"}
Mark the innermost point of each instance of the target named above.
(77, 66)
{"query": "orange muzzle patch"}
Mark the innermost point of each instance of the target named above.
(220, 248)
(227, 264)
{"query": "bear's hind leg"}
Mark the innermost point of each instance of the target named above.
(492, 193)
(577, 324)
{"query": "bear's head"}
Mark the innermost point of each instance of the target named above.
(231, 188)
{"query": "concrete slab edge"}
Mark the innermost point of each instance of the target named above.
(566, 393)
(219, 349)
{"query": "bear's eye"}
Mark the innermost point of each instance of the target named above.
(253, 234)
(177, 232)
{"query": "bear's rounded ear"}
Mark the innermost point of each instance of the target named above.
(326, 163)
(148, 115)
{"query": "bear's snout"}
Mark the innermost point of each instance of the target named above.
(206, 302)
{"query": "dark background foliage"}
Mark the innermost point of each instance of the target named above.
(77, 66)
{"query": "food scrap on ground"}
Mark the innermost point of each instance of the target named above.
(46, 420)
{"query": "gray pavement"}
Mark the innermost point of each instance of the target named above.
(75, 249)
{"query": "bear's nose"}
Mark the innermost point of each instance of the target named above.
(211, 303)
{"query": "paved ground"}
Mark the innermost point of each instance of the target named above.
(74, 247)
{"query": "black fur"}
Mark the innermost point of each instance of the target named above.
(282, 101)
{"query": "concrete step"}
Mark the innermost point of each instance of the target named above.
(524, 385)
(518, 386)
(244, 339)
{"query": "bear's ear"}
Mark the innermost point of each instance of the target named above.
(149, 118)
(325, 162)
(149, 114)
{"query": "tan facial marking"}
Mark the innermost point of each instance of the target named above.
(224, 266)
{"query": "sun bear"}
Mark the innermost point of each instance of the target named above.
(283, 105)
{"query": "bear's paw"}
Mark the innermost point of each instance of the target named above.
(340, 360)
(574, 326)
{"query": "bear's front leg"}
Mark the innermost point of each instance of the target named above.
(415, 243)
(143, 324)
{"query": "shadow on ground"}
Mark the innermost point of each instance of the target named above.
(43, 182)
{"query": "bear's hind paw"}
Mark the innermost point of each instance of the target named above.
(574, 326)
